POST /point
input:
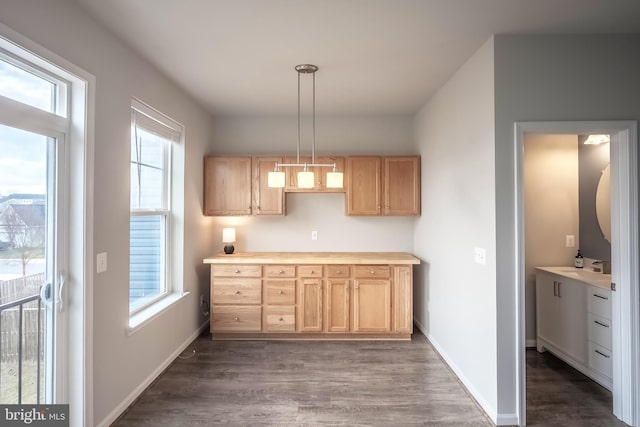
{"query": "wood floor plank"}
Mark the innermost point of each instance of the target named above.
(310, 383)
(559, 395)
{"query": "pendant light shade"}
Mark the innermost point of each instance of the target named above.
(276, 179)
(306, 178)
(335, 180)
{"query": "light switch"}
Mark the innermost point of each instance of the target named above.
(480, 256)
(101, 262)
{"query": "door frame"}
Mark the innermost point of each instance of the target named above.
(624, 251)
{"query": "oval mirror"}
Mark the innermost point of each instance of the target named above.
(603, 203)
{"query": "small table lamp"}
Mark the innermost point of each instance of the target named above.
(228, 236)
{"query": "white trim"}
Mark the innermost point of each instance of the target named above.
(531, 343)
(626, 304)
(142, 318)
(81, 142)
(486, 407)
(131, 397)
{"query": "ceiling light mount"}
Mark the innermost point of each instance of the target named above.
(306, 68)
(306, 178)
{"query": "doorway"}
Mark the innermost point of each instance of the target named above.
(624, 225)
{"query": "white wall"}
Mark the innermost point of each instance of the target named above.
(455, 300)
(122, 363)
(551, 210)
(542, 78)
(324, 213)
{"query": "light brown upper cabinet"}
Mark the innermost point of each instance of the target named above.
(387, 185)
(320, 184)
(266, 201)
(402, 185)
(238, 186)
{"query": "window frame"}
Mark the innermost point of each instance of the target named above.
(167, 212)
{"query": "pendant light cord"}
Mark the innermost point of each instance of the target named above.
(313, 140)
(298, 154)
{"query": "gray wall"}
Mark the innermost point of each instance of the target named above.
(123, 363)
(592, 160)
(454, 297)
(325, 213)
(536, 80)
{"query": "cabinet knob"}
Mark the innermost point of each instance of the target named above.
(312, 271)
(237, 319)
(237, 271)
(281, 319)
(281, 292)
(372, 272)
(237, 292)
(338, 272)
(281, 272)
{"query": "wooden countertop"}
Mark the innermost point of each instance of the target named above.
(313, 258)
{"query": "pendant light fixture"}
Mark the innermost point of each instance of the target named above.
(306, 177)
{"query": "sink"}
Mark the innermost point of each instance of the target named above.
(584, 275)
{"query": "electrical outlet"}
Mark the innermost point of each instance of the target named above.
(570, 241)
(314, 235)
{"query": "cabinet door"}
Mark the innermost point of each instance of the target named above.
(310, 310)
(364, 178)
(227, 186)
(402, 301)
(266, 201)
(546, 308)
(337, 305)
(372, 305)
(572, 318)
(402, 185)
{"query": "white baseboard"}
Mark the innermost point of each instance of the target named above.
(113, 415)
(531, 343)
(498, 419)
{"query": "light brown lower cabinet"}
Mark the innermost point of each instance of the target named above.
(311, 301)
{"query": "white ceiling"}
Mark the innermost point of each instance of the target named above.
(237, 57)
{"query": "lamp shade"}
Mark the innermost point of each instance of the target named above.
(335, 180)
(228, 235)
(305, 179)
(275, 179)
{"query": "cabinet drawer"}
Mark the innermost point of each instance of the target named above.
(600, 359)
(600, 302)
(310, 271)
(230, 318)
(280, 292)
(238, 270)
(338, 271)
(376, 271)
(600, 330)
(281, 319)
(280, 270)
(236, 291)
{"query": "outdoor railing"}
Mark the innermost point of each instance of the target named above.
(21, 344)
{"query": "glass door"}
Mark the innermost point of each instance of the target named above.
(31, 280)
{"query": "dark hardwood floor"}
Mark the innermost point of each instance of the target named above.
(558, 395)
(307, 383)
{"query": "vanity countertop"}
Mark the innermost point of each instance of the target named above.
(313, 258)
(583, 275)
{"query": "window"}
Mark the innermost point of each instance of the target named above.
(152, 137)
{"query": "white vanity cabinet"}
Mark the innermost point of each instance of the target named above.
(573, 321)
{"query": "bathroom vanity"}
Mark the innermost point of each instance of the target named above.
(312, 295)
(573, 319)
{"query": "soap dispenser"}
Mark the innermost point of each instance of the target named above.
(579, 261)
